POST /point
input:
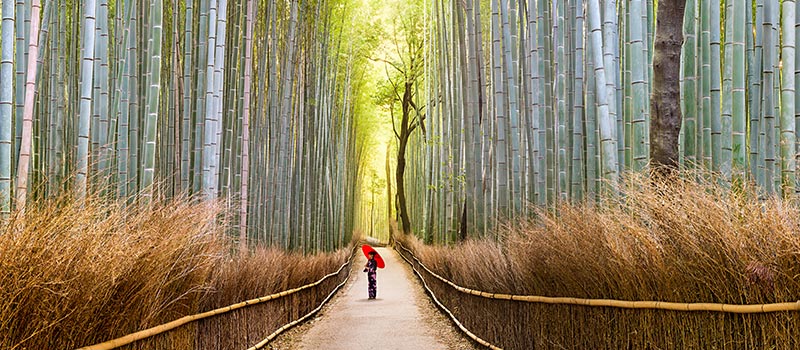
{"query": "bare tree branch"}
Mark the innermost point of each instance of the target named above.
(394, 128)
(394, 85)
(387, 62)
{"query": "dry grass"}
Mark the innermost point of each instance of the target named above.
(689, 242)
(72, 276)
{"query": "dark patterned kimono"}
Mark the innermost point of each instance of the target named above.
(372, 274)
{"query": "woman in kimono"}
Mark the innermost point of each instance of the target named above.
(371, 268)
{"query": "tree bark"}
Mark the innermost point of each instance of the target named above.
(665, 101)
(405, 133)
(389, 195)
(401, 191)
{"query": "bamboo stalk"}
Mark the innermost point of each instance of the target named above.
(6, 106)
(87, 75)
(27, 124)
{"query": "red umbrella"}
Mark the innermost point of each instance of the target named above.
(367, 249)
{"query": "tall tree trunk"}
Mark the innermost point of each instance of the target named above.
(665, 101)
(389, 194)
(401, 188)
(405, 133)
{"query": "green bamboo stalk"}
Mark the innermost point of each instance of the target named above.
(153, 95)
(749, 56)
(283, 171)
(510, 62)
(627, 106)
(716, 120)
(6, 104)
(210, 124)
(138, 84)
(102, 88)
(577, 174)
(19, 83)
(639, 85)
(547, 123)
(606, 121)
(87, 75)
(689, 85)
(757, 163)
(768, 143)
(776, 93)
(738, 89)
(189, 43)
(204, 53)
(561, 102)
(501, 146)
(726, 142)
(57, 47)
(248, 67)
(612, 70)
(219, 79)
(787, 121)
(471, 122)
(592, 131)
(705, 86)
(537, 113)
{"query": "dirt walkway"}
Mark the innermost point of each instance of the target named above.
(402, 317)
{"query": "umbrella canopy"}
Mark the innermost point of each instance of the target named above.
(367, 249)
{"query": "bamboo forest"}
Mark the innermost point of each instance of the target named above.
(508, 174)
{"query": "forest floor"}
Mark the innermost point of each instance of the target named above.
(402, 317)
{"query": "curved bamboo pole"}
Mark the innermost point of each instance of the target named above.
(143, 334)
(623, 304)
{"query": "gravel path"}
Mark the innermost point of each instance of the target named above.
(402, 317)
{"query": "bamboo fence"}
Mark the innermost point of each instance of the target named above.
(444, 308)
(594, 304)
(275, 334)
(626, 304)
(166, 327)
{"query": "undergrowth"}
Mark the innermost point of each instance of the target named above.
(76, 274)
(687, 241)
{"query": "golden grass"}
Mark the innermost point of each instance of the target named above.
(72, 276)
(692, 241)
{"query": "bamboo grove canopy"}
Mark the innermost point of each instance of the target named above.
(259, 102)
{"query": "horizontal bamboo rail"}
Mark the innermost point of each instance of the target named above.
(301, 319)
(624, 304)
(146, 333)
(444, 308)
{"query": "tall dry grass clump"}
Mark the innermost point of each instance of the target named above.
(73, 275)
(690, 241)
